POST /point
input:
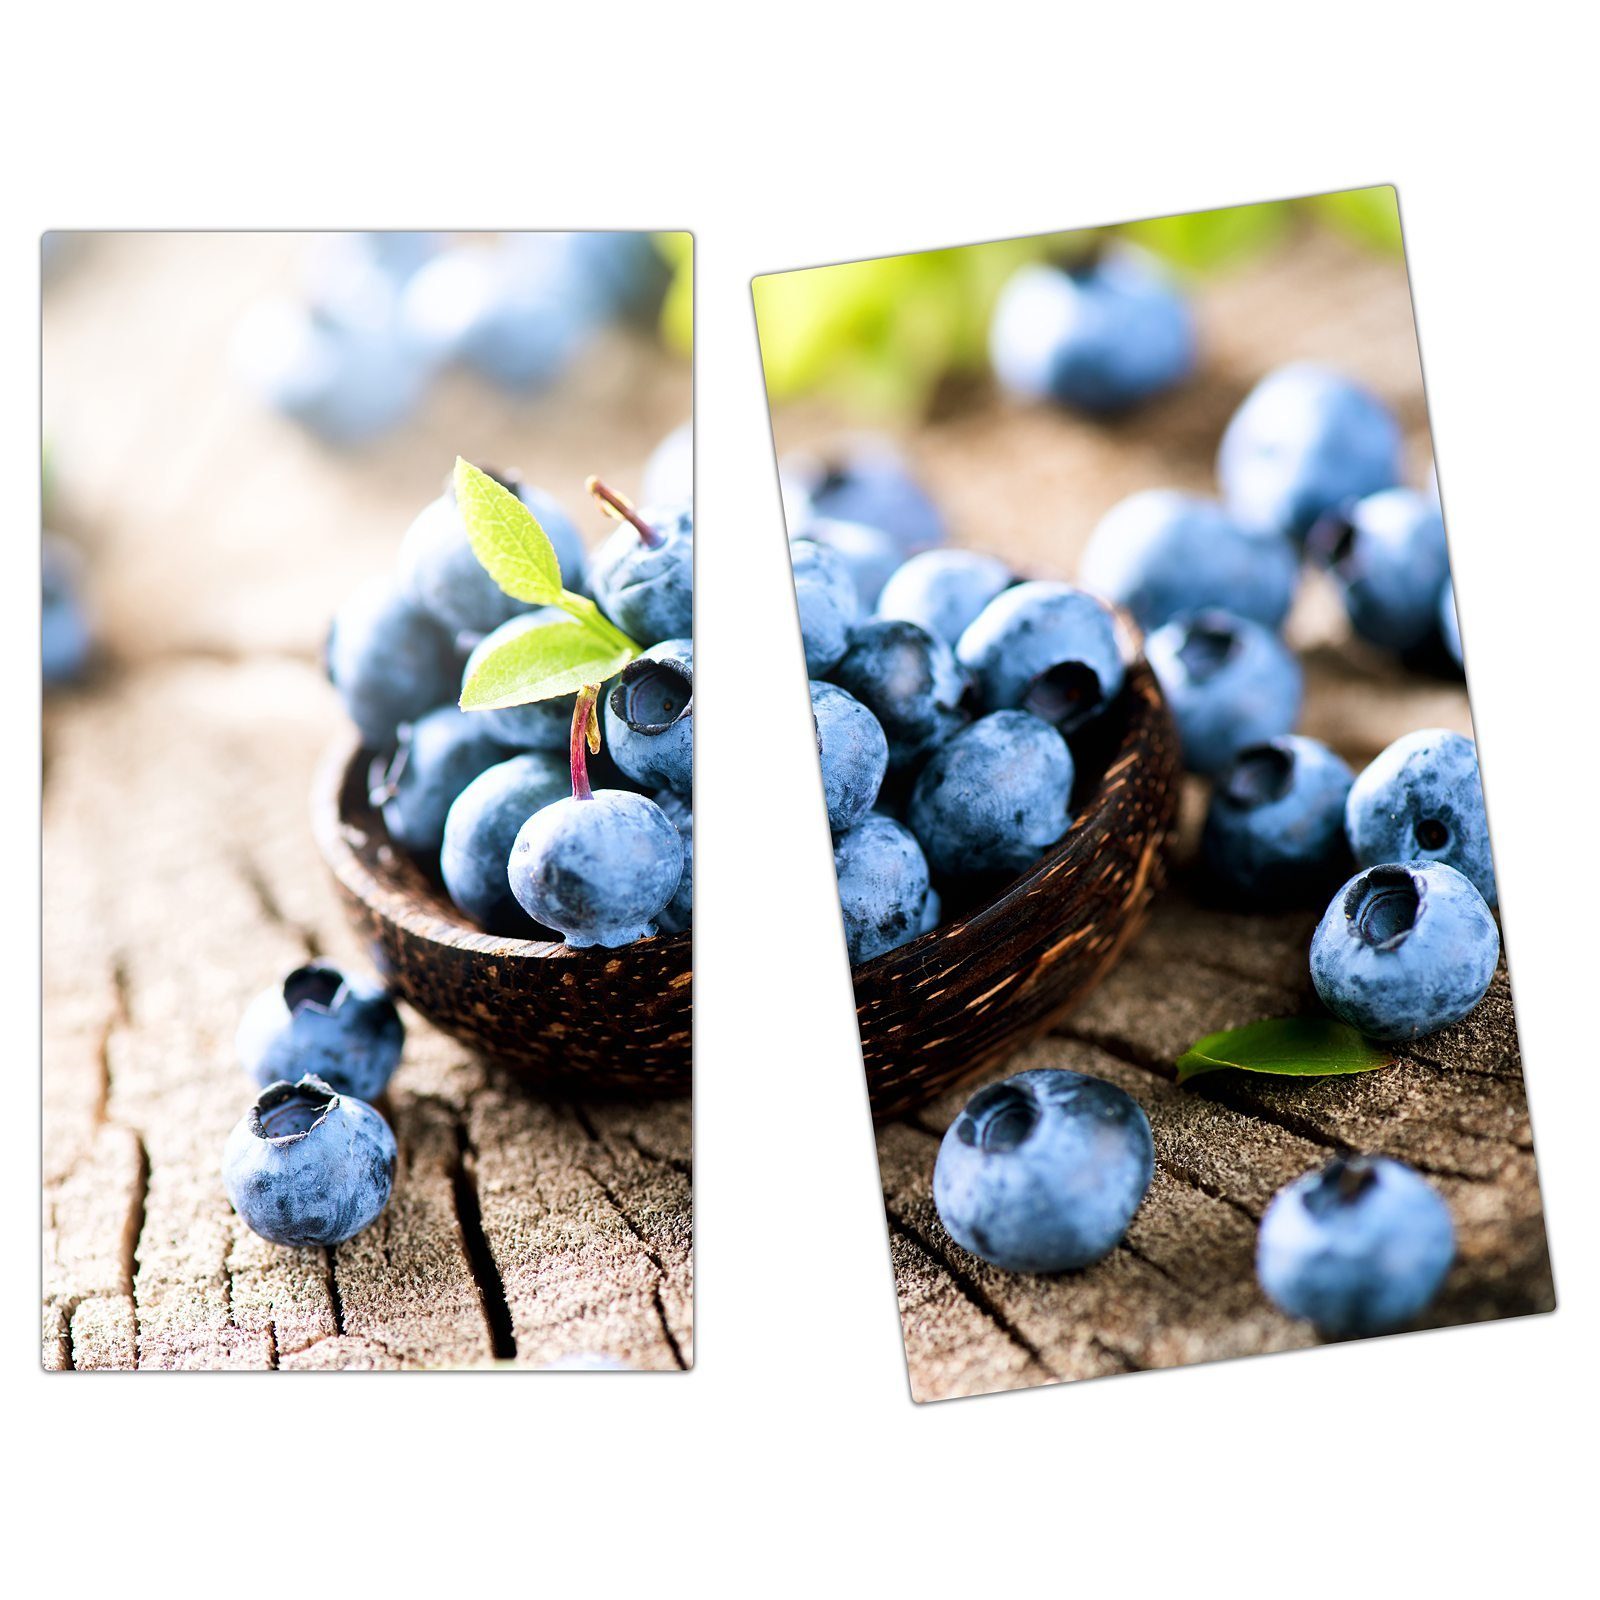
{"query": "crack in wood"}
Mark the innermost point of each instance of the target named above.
(650, 1255)
(335, 1299)
(677, 1164)
(479, 1252)
(255, 880)
(970, 1291)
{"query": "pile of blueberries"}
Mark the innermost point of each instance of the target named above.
(950, 698)
(380, 314)
(503, 805)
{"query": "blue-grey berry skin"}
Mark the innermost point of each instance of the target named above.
(852, 751)
(1229, 683)
(944, 590)
(1361, 1246)
(1044, 1171)
(1161, 553)
(910, 682)
(438, 566)
(679, 912)
(1100, 337)
(1449, 622)
(1048, 648)
(1274, 832)
(319, 1020)
(437, 757)
(995, 798)
(870, 554)
(308, 1166)
(1404, 950)
(390, 661)
(538, 725)
(1388, 557)
(66, 642)
(648, 590)
(866, 484)
(1306, 439)
(481, 827)
(649, 717)
(599, 870)
(1422, 800)
(827, 601)
(883, 887)
(345, 378)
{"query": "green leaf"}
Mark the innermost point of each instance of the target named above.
(1290, 1047)
(543, 663)
(506, 538)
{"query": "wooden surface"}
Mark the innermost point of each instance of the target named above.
(180, 876)
(1181, 1288)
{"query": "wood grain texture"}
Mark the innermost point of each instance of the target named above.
(593, 1021)
(1181, 1288)
(181, 877)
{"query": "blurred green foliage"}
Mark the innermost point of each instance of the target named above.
(879, 335)
(677, 309)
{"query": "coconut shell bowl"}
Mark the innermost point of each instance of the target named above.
(1000, 969)
(596, 1021)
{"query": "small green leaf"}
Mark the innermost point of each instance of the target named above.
(506, 538)
(1290, 1047)
(541, 664)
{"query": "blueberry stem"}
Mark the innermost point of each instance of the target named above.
(618, 506)
(585, 739)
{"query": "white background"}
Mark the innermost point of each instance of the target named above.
(792, 1457)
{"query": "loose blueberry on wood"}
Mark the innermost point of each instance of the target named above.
(1360, 1247)
(307, 1166)
(321, 1022)
(1044, 1171)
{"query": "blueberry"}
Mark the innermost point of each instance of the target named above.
(825, 597)
(436, 758)
(944, 590)
(649, 717)
(852, 751)
(864, 483)
(1043, 1171)
(680, 908)
(883, 887)
(345, 377)
(308, 1166)
(668, 477)
(1404, 950)
(515, 315)
(480, 829)
(995, 797)
(599, 868)
(64, 637)
(1305, 440)
(1449, 622)
(442, 573)
(910, 682)
(1047, 648)
(390, 661)
(1388, 556)
(1161, 553)
(1422, 800)
(348, 274)
(642, 577)
(539, 724)
(320, 1021)
(870, 555)
(621, 269)
(1275, 827)
(1359, 1247)
(1099, 336)
(1229, 682)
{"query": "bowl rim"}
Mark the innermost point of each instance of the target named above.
(1145, 702)
(437, 924)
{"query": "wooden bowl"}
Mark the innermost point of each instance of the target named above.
(956, 1001)
(594, 1020)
